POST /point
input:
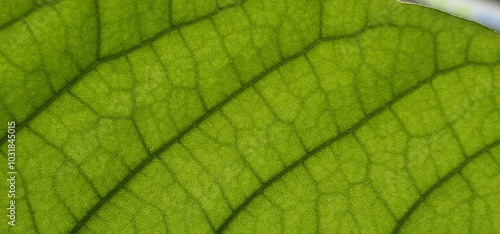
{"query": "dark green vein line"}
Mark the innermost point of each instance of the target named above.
(27, 13)
(170, 16)
(77, 78)
(441, 182)
(207, 114)
(28, 203)
(98, 26)
(326, 144)
(47, 103)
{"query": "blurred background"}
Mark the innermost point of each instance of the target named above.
(485, 12)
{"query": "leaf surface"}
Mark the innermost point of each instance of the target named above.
(250, 117)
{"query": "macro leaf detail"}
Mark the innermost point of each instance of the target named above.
(250, 116)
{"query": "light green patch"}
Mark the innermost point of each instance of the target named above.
(239, 41)
(429, 159)
(423, 103)
(186, 10)
(129, 23)
(198, 182)
(341, 18)
(480, 52)
(210, 62)
(59, 123)
(108, 95)
(451, 48)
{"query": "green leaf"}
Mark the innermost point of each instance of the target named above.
(249, 116)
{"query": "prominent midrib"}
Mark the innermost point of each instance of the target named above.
(91, 67)
(329, 142)
(440, 182)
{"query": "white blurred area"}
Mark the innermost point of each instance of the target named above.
(485, 12)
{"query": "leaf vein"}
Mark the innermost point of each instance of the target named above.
(93, 65)
(27, 13)
(441, 182)
(207, 114)
(328, 143)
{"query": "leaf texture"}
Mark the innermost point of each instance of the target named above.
(251, 116)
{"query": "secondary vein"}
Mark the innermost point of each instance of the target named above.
(326, 144)
(93, 65)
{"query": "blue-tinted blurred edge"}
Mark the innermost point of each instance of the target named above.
(485, 12)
